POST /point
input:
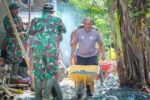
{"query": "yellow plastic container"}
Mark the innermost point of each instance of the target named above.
(113, 54)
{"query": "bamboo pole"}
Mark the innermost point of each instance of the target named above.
(29, 12)
(6, 91)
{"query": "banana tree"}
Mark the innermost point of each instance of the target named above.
(131, 32)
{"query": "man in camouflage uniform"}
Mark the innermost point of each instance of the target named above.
(47, 31)
(12, 46)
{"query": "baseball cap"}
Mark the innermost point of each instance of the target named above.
(14, 6)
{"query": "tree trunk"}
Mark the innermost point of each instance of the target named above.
(134, 65)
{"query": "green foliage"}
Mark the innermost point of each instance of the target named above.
(89, 8)
(104, 28)
(98, 11)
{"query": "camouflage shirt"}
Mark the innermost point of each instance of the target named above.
(46, 29)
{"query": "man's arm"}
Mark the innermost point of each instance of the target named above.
(101, 51)
(32, 30)
(72, 36)
(73, 46)
(62, 29)
(73, 54)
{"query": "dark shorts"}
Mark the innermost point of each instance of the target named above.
(87, 61)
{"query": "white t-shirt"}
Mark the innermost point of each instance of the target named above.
(87, 42)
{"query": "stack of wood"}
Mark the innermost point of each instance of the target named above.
(9, 91)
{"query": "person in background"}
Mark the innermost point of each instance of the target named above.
(47, 31)
(12, 46)
(87, 53)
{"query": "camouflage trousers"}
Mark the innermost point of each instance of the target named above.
(13, 50)
(45, 66)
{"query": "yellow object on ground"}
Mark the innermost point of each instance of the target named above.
(19, 91)
(85, 74)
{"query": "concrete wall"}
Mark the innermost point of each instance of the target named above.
(2, 14)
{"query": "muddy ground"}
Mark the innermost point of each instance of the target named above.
(109, 90)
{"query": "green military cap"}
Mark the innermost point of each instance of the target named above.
(48, 7)
(14, 6)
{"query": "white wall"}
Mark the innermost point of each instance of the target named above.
(2, 14)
